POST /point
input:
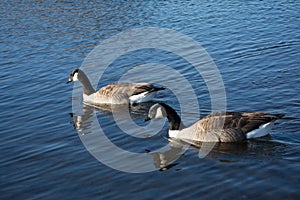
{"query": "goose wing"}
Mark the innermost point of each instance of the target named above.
(128, 89)
(237, 120)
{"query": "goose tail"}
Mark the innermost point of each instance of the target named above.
(145, 96)
(157, 89)
(264, 129)
(279, 116)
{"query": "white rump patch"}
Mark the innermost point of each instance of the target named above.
(142, 97)
(160, 113)
(262, 130)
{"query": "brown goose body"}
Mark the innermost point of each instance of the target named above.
(234, 126)
(217, 127)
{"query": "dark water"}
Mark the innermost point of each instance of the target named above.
(255, 45)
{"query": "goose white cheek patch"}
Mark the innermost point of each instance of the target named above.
(159, 113)
(75, 77)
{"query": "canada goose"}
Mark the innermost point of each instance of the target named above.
(216, 127)
(115, 93)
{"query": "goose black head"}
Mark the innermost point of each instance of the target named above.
(73, 76)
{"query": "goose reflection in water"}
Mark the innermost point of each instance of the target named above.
(173, 149)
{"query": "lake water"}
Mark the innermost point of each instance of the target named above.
(255, 45)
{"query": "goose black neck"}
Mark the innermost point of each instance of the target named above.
(86, 84)
(173, 118)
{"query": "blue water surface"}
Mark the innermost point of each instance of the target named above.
(255, 45)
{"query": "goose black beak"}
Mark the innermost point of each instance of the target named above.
(69, 81)
(147, 119)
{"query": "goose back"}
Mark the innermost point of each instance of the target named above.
(129, 89)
